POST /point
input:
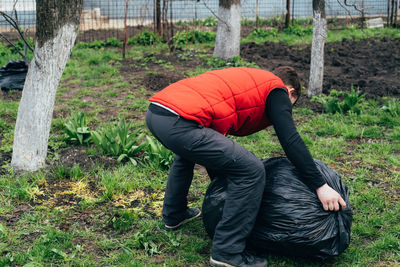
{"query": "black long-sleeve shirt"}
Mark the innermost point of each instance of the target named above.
(279, 110)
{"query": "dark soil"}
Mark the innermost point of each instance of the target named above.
(372, 65)
(77, 156)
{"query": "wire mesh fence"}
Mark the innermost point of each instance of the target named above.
(102, 19)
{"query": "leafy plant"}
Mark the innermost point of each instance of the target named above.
(77, 130)
(123, 220)
(96, 44)
(20, 45)
(4, 50)
(210, 22)
(351, 101)
(114, 42)
(298, 30)
(145, 38)
(117, 141)
(143, 240)
(237, 61)
(262, 33)
(158, 154)
(392, 106)
(183, 38)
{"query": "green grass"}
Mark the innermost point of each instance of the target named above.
(303, 35)
(106, 214)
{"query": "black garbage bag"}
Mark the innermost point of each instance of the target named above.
(12, 75)
(291, 219)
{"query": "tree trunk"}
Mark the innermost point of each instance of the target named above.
(317, 50)
(56, 30)
(287, 17)
(158, 16)
(227, 44)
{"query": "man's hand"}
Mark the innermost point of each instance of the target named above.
(329, 198)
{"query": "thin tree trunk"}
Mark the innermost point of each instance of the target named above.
(317, 50)
(158, 16)
(56, 30)
(227, 44)
(287, 18)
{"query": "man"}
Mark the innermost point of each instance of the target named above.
(192, 118)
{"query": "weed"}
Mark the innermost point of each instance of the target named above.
(96, 44)
(351, 101)
(216, 63)
(145, 38)
(183, 38)
(123, 220)
(392, 107)
(63, 172)
(117, 141)
(262, 33)
(157, 154)
(77, 130)
(113, 42)
(143, 240)
(295, 29)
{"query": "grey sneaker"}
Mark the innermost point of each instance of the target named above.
(244, 259)
(190, 214)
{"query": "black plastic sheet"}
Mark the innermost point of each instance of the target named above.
(12, 75)
(291, 219)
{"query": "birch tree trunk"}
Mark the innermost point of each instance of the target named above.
(320, 32)
(227, 42)
(56, 31)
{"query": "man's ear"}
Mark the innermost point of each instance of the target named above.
(292, 95)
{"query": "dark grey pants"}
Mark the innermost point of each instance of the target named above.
(245, 173)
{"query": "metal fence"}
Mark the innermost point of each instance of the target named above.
(105, 18)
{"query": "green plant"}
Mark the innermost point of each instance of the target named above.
(351, 101)
(63, 172)
(123, 220)
(183, 38)
(20, 45)
(158, 154)
(76, 129)
(145, 38)
(392, 107)
(298, 30)
(262, 33)
(96, 44)
(215, 62)
(114, 42)
(143, 240)
(210, 22)
(117, 141)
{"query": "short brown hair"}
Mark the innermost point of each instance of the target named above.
(289, 76)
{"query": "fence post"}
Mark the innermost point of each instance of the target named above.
(125, 29)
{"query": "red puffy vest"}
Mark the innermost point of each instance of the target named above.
(230, 101)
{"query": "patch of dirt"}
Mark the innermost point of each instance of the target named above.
(372, 65)
(14, 216)
(77, 156)
(158, 81)
(5, 158)
(10, 95)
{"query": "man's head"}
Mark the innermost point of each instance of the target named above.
(291, 80)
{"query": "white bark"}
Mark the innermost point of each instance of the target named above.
(320, 32)
(37, 103)
(227, 44)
